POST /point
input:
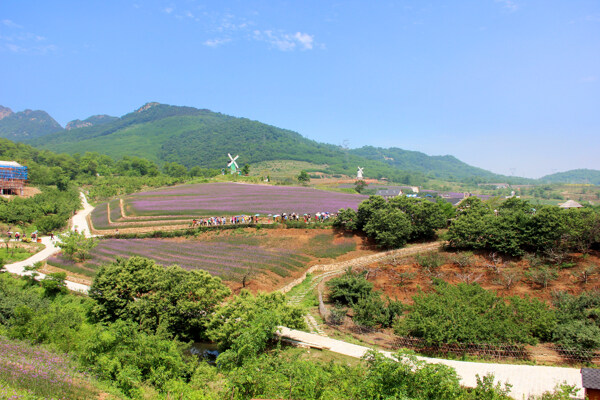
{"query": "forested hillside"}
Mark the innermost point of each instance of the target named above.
(26, 125)
(193, 137)
(590, 176)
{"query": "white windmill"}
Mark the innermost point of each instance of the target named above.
(233, 167)
(359, 173)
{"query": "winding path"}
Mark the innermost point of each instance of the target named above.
(525, 379)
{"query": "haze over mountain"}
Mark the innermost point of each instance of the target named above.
(590, 176)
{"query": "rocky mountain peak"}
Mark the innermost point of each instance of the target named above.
(5, 112)
(147, 106)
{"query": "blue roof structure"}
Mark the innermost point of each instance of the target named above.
(10, 170)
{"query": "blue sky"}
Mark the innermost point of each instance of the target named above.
(512, 86)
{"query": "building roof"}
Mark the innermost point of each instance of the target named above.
(570, 204)
(10, 164)
(590, 378)
(388, 192)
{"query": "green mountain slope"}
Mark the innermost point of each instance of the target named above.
(189, 136)
(443, 167)
(91, 121)
(590, 176)
(26, 125)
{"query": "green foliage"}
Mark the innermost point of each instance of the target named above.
(52, 207)
(360, 185)
(578, 320)
(75, 245)
(349, 288)
(246, 324)
(346, 218)
(303, 177)
(430, 261)
(128, 357)
(542, 275)
(469, 314)
(518, 228)
(391, 229)
(24, 125)
(54, 284)
(169, 299)
(574, 176)
(371, 311)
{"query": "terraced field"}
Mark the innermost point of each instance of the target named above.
(231, 256)
(176, 206)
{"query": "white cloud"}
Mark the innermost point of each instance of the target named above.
(168, 10)
(589, 79)
(10, 24)
(285, 41)
(305, 40)
(510, 5)
(216, 42)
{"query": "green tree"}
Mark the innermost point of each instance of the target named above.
(349, 288)
(360, 185)
(245, 325)
(303, 177)
(175, 170)
(157, 298)
(467, 313)
(246, 170)
(390, 229)
(75, 245)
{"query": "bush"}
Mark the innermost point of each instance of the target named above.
(349, 288)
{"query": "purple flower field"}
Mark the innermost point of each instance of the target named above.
(235, 198)
(228, 260)
(37, 372)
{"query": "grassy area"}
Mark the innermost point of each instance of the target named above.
(19, 252)
(281, 169)
(323, 246)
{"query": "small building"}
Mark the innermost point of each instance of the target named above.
(590, 379)
(12, 177)
(570, 204)
(388, 193)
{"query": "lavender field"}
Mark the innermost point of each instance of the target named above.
(228, 259)
(32, 372)
(234, 198)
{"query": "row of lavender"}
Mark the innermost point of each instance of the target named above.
(233, 198)
(227, 260)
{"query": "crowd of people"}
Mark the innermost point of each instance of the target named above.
(22, 237)
(255, 219)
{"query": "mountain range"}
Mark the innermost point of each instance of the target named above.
(199, 137)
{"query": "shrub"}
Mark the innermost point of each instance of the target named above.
(349, 288)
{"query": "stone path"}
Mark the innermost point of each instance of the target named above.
(526, 379)
(79, 222)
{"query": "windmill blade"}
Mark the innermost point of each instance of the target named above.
(229, 163)
(236, 157)
(231, 158)
(234, 163)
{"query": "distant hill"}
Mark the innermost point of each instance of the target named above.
(590, 176)
(91, 121)
(443, 167)
(26, 125)
(190, 136)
